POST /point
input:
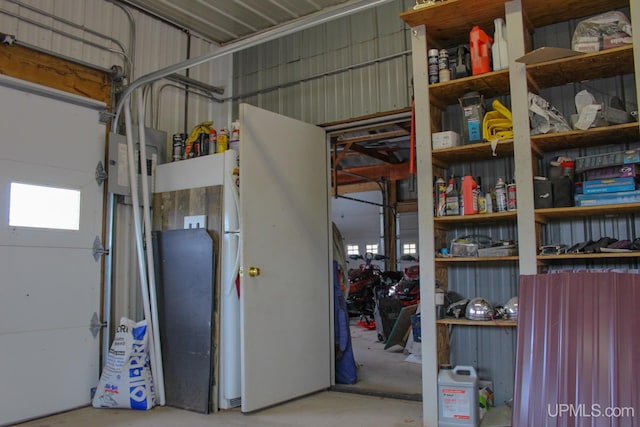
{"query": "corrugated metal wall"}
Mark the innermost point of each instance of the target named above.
(156, 45)
(578, 364)
(317, 75)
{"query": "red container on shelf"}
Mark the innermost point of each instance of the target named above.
(470, 195)
(480, 46)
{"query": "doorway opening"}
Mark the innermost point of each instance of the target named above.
(386, 348)
(374, 207)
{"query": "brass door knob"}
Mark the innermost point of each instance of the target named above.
(254, 271)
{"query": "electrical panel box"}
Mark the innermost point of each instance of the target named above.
(156, 142)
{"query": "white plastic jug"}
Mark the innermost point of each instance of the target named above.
(499, 51)
(458, 397)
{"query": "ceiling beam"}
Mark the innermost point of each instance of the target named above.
(388, 172)
(376, 154)
(258, 38)
(357, 188)
(372, 137)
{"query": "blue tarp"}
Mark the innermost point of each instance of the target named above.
(345, 362)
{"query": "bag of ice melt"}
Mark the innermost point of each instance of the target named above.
(126, 380)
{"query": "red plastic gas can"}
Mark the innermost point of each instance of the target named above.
(480, 46)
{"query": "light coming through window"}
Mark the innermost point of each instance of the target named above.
(409, 249)
(44, 207)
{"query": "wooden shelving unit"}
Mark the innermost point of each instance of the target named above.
(544, 215)
(490, 85)
(545, 12)
(447, 24)
(467, 322)
(614, 134)
(596, 65)
(460, 259)
(595, 257)
(498, 217)
(480, 151)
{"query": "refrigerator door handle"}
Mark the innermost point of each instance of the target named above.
(235, 192)
(236, 263)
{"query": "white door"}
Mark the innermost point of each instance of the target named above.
(285, 312)
(50, 282)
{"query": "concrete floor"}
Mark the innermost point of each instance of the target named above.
(325, 409)
(380, 373)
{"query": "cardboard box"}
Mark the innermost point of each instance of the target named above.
(447, 139)
(598, 161)
(586, 44)
(610, 41)
(502, 250)
(485, 396)
(608, 198)
(609, 185)
(612, 172)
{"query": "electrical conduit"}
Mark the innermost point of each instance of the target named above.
(146, 210)
(140, 250)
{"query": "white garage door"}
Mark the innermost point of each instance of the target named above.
(50, 214)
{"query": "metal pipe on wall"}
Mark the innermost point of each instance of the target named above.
(186, 89)
(144, 285)
(127, 60)
(284, 30)
(132, 37)
(319, 75)
(151, 277)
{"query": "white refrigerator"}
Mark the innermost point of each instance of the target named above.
(217, 170)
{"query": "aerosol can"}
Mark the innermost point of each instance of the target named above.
(441, 197)
(501, 196)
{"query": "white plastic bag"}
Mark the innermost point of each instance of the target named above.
(126, 380)
(544, 117)
(604, 31)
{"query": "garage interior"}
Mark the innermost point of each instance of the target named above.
(151, 70)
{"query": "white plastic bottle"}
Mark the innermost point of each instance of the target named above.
(499, 51)
(458, 397)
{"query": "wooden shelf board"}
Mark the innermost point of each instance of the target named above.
(603, 255)
(448, 23)
(542, 215)
(596, 65)
(458, 259)
(547, 12)
(615, 134)
(467, 322)
(447, 221)
(473, 152)
(490, 85)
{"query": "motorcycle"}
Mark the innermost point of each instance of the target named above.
(407, 290)
(363, 283)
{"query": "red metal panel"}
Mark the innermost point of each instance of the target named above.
(578, 350)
